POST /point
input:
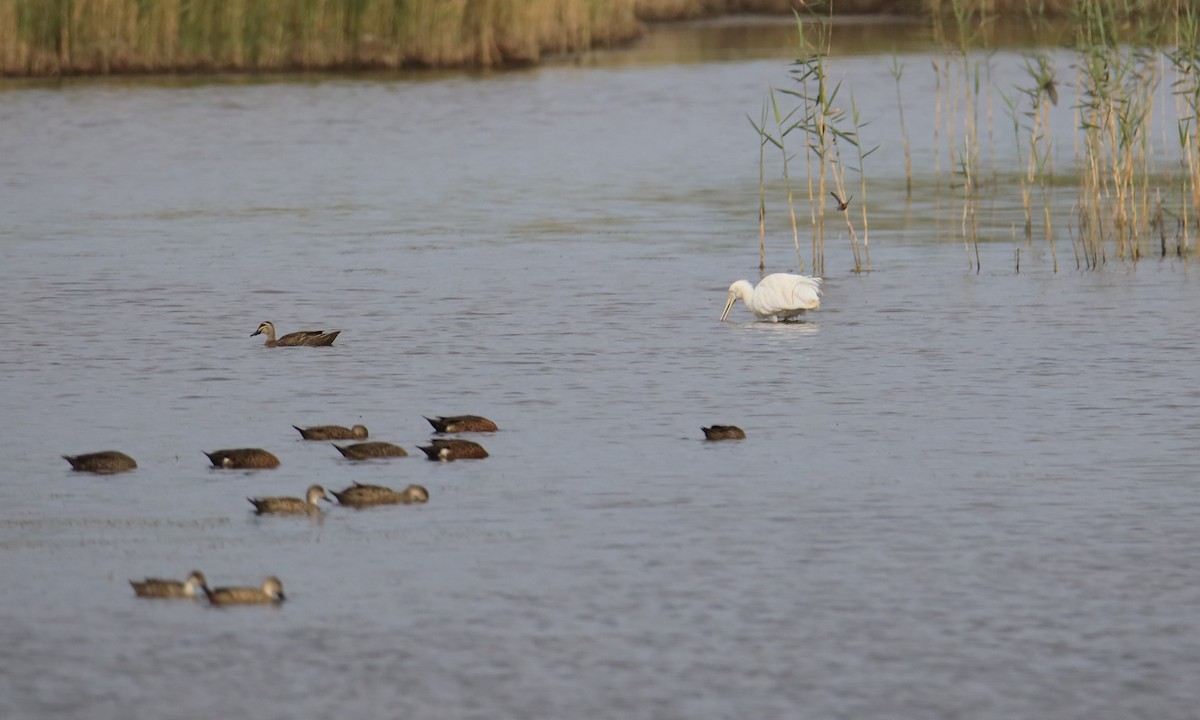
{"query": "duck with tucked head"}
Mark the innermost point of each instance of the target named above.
(724, 432)
(360, 495)
(461, 423)
(150, 587)
(290, 505)
(106, 462)
(446, 450)
(333, 432)
(309, 338)
(368, 450)
(243, 458)
(270, 592)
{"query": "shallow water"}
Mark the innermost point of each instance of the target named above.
(961, 495)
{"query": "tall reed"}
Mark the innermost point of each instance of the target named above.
(815, 98)
(862, 178)
(783, 126)
(1185, 61)
(897, 71)
(1040, 95)
(1116, 85)
(959, 81)
(825, 127)
(763, 139)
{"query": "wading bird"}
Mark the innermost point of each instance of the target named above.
(779, 296)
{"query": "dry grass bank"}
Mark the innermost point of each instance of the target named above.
(46, 37)
(51, 37)
(685, 9)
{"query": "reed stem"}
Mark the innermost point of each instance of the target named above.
(897, 71)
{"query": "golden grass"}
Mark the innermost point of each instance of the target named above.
(45, 37)
(40, 37)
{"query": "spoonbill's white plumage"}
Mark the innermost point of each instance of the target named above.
(780, 296)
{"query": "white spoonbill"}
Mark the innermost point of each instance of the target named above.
(779, 296)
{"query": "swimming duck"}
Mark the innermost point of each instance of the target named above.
(290, 505)
(311, 338)
(724, 432)
(247, 458)
(160, 588)
(368, 450)
(332, 432)
(102, 463)
(270, 592)
(454, 450)
(461, 423)
(359, 495)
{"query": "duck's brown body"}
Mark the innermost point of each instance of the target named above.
(368, 450)
(359, 495)
(461, 423)
(290, 505)
(270, 592)
(446, 450)
(333, 432)
(102, 463)
(243, 458)
(724, 432)
(309, 338)
(169, 589)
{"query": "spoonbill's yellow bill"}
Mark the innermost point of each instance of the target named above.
(780, 296)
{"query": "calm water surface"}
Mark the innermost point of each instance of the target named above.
(962, 495)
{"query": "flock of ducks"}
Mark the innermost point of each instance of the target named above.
(356, 496)
(444, 449)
